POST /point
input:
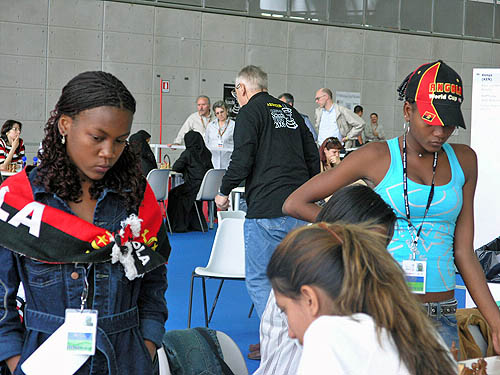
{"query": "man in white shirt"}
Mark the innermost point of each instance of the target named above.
(197, 121)
(333, 120)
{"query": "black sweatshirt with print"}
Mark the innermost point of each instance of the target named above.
(274, 151)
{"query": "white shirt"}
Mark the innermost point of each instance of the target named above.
(328, 125)
(193, 122)
(218, 141)
(280, 355)
(348, 345)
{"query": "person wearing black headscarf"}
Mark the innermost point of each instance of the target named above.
(140, 144)
(193, 163)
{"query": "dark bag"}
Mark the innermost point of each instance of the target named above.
(489, 258)
(194, 351)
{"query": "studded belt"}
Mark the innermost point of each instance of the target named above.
(441, 308)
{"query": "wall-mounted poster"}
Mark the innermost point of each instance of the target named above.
(485, 131)
(230, 101)
(348, 99)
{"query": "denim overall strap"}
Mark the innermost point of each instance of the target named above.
(106, 325)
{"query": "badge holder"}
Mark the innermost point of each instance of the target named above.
(416, 274)
(69, 347)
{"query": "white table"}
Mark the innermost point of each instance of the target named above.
(156, 147)
(8, 174)
(235, 197)
(493, 364)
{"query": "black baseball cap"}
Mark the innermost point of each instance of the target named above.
(437, 90)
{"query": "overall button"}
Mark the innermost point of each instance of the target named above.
(75, 275)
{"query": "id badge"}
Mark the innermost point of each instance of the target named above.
(220, 144)
(416, 275)
(81, 329)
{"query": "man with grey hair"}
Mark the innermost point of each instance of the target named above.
(197, 121)
(287, 98)
(275, 153)
(333, 120)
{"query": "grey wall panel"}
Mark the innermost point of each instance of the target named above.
(344, 40)
(380, 68)
(277, 84)
(178, 23)
(240, 5)
(23, 39)
(78, 44)
(183, 81)
(212, 82)
(220, 28)
(306, 62)
(22, 104)
(137, 77)
(267, 32)
(179, 52)
(304, 88)
(60, 71)
(76, 13)
(495, 55)
(143, 108)
(381, 43)
(378, 92)
(25, 11)
(125, 47)
(414, 46)
(343, 84)
(344, 65)
(306, 36)
(32, 134)
(406, 66)
(447, 49)
(271, 59)
(477, 52)
(52, 96)
(22, 71)
(175, 109)
(129, 18)
(222, 56)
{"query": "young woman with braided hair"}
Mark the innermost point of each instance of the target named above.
(430, 184)
(347, 303)
(84, 231)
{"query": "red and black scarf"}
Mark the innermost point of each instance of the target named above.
(50, 235)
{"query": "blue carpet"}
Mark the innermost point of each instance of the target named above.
(190, 250)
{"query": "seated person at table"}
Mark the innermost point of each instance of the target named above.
(11, 145)
(348, 304)
(140, 144)
(329, 153)
(193, 163)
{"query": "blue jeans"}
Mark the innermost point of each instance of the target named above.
(261, 238)
(446, 325)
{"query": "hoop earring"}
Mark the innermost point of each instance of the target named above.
(63, 139)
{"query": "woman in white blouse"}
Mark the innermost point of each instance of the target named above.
(219, 136)
(347, 303)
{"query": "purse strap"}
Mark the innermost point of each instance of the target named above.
(225, 368)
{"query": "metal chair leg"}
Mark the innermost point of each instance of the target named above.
(193, 275)
(211, 214)
(168, 223)
(215, 300)
(251, 310)
(204, 300)
(199, 217)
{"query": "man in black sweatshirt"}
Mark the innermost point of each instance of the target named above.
(275, 152)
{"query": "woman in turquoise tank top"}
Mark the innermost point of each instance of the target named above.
(430, 185)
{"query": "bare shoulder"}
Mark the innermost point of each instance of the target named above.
(466, 157)
(371, 161)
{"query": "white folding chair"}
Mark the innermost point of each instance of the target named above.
(221, 215)
(227, 261)
(232, 354)
(208, 190)
(158, 180)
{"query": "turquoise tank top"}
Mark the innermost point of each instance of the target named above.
(436, 239)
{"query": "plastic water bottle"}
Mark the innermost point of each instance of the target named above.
(35, 161)
(24, 161)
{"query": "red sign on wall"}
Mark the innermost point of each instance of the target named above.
(165, 86)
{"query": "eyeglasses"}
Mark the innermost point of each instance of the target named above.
(219, 113)
(233, 91)
(319, 97)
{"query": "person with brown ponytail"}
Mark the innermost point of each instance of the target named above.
(347, 303)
